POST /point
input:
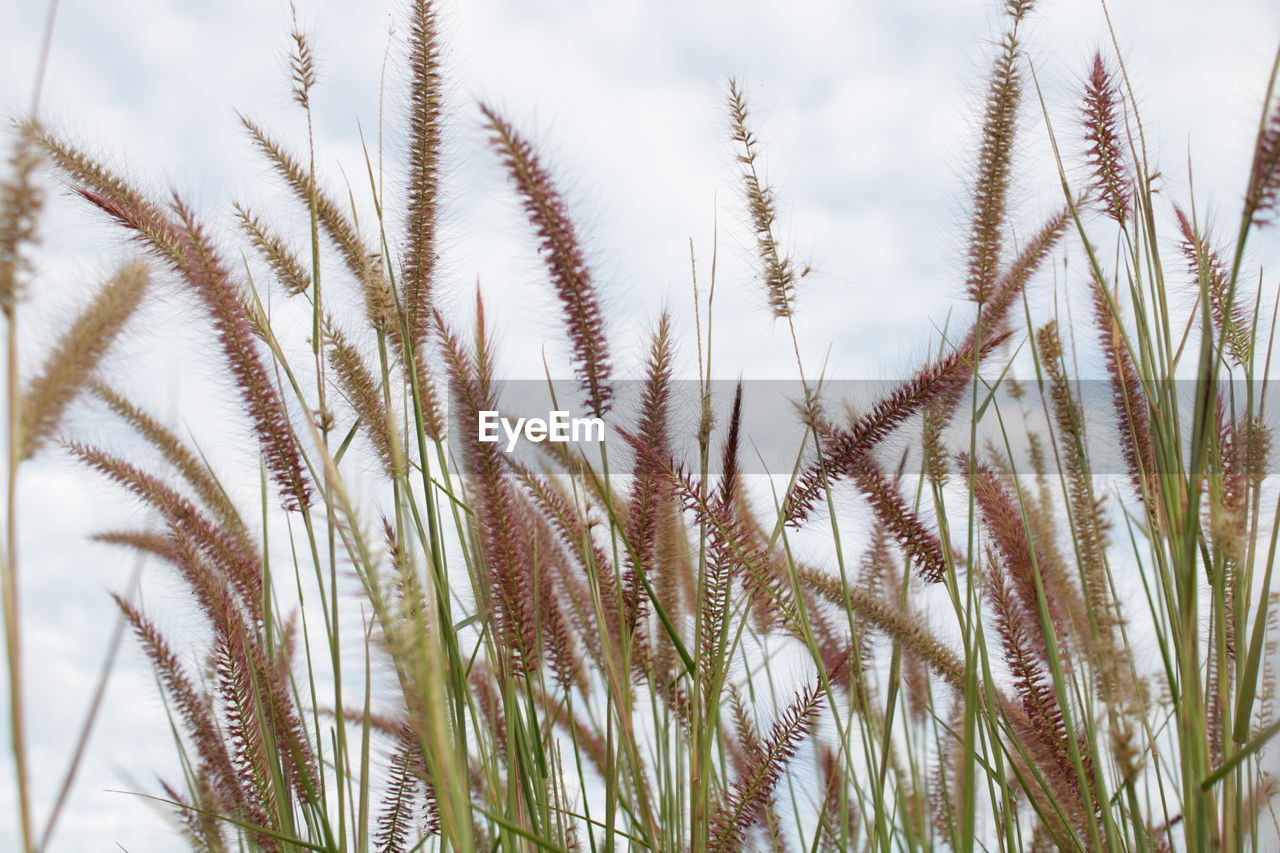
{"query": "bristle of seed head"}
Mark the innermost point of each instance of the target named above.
(650, 498)
(193, 710)
(21, 201)
(142, 541)
(1133, 416)
(989, 205)
(565, 261)
(69, 368)
(362, 261)
(148, 222)
(1105, 149)
(1231, 318)
(918, 541)
(751, 789)
(302, 62)
(840, 451)
(363, 392)
(777, 270)
(1264, 176)
(271, 247)
(426, 109)
(205, 273)
(507, 579)
(176, 237)
(183, 458)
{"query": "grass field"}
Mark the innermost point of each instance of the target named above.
(1019, 597)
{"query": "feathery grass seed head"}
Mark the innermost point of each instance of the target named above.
(776, 269)
(564, 259)
(70, 366)
(1110, 170)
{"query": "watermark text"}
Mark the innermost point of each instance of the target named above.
(558, 426)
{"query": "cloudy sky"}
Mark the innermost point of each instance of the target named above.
(865, 111)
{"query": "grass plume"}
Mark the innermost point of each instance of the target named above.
(70, 366)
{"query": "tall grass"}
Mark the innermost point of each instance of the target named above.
(1051, 628)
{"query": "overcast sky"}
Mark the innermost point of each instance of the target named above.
(865, 111)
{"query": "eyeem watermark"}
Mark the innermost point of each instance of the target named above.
(774, 432)
(558, 426)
